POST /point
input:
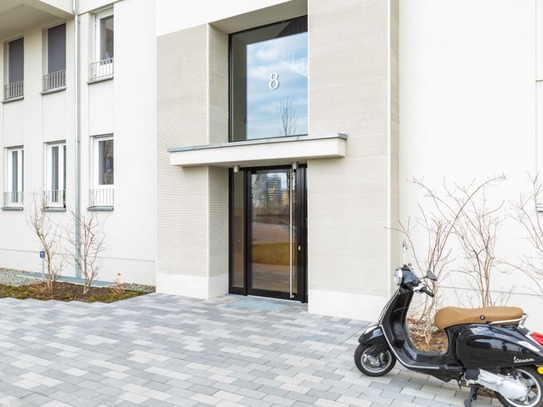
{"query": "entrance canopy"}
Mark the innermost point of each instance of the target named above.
(262, 152)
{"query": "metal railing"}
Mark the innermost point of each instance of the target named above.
(14, 90)
(101, 197)
(55, 198)
(54, 80)
(13, 199)
(101, 69)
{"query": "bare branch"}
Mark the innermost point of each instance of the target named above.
(91, 242)
(48, 233)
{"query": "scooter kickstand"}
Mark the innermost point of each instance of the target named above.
(472, 395)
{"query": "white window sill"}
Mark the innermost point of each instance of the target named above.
(100, 79)
(53, 90)
(15, 99)
(54, 209)
(104, 208)
(12, 208)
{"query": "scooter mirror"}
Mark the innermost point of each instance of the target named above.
(431, 276)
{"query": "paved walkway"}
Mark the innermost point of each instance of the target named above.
(161, 350)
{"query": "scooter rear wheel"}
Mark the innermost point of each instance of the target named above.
(535, 395)
(373, 360)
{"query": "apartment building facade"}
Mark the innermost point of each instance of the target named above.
(73, 134)
(263, 147)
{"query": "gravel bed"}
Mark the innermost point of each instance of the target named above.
(17, 278)
(139, 287)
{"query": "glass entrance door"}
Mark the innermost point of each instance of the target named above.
(268, 234)
(273, 265)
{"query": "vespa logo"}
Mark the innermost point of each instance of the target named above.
(519, 360)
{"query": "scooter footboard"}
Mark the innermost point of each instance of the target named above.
(373, 335)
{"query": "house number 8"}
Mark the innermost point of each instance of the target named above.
(274, 81)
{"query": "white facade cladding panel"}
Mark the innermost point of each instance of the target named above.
(350, 249)
(183, 195)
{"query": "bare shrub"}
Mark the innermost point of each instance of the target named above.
(49, 234)
(91, 245)
(477, 232)
(525, 213)
(117, 287)
(446, 217)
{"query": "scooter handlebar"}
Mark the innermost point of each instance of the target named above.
(427, 291)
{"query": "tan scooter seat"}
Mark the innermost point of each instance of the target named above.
(450, 316)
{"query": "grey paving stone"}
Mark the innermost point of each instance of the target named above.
(159, 351)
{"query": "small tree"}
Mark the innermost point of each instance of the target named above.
(525, 213)
(477, 233)
(446, 217)
(91, 244)
(50, 237)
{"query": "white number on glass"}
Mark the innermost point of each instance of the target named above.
(274, 81)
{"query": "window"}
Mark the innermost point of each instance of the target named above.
(13, 195)
(268, 78)
(103, 172)
(14, 69)
(104, 45)
(55, 76)
(55, 192)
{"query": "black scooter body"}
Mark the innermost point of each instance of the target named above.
(471, 346)
(393, 336)
(494, 346)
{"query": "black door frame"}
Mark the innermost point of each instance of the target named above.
(301, 220)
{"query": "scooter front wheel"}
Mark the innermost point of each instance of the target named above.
(534, 388)
(374, 360)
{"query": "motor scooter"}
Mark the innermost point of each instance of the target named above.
(487, 347)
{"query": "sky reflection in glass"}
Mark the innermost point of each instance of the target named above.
(277, 87)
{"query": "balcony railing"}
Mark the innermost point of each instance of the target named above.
(54, 80)
(14, 90)
(101, 69)
(101, 197)
(55, 198)
(13, 199)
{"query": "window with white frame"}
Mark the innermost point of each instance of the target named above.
(14, 69)
(55, 64)
(55, 172)
(14, 182)
(103, 45)
(103, 171)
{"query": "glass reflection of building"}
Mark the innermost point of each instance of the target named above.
(269, 191)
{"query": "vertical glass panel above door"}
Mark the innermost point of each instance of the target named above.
(268, 81)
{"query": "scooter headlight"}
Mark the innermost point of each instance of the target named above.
(398, 276)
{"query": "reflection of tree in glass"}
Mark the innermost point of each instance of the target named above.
(287, 118)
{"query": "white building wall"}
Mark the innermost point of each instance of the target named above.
(350, 200)
(29, 123)
(124, 107)
(467, 112)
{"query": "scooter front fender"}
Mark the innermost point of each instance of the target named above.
(373, 335)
